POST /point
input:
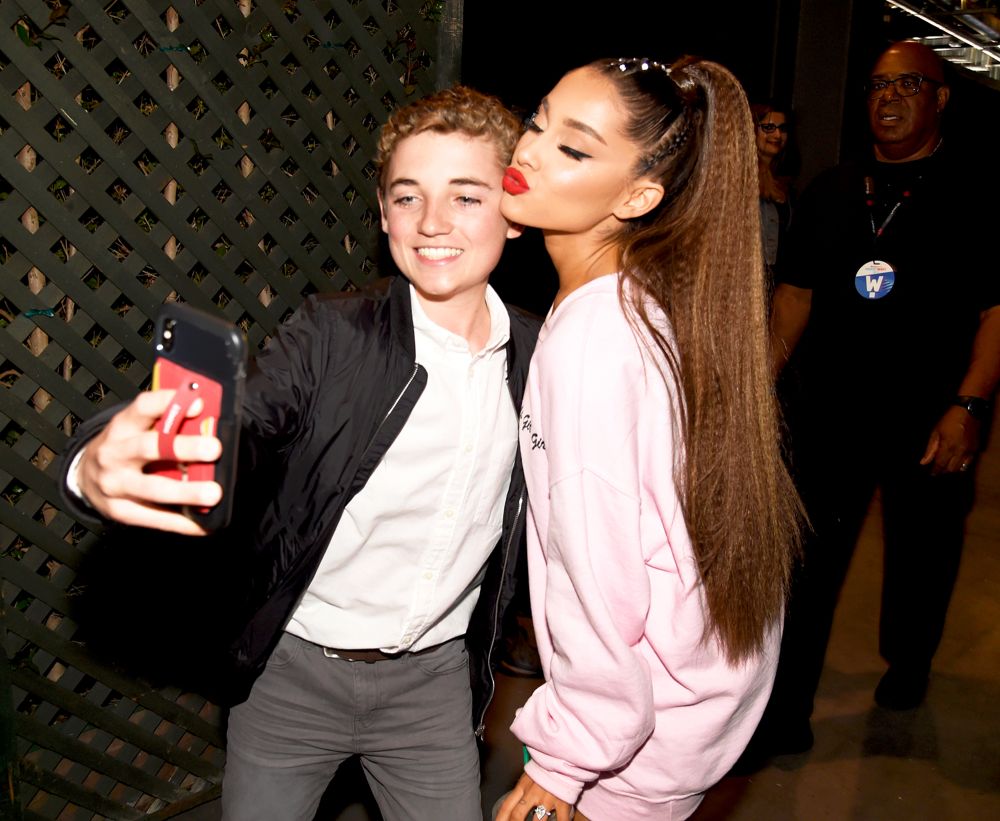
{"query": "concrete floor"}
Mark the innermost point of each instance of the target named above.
(941, 761)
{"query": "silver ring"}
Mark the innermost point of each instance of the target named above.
(540, 812)
(965, 466)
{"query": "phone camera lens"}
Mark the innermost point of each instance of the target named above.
(167, 337)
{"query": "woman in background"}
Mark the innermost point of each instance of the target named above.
(661, 520)
(771, 126)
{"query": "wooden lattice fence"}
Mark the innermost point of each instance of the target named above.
(214, 151)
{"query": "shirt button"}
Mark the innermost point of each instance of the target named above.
(428, 575)
(468, 448)
(449, 513)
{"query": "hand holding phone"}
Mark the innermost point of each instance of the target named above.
(202, 358)
(110, 474)
(193, 411)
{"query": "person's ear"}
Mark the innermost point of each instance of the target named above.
(943, 93)
(642, 198)
(381, 210)
(514, 230)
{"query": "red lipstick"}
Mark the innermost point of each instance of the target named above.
(514, 182)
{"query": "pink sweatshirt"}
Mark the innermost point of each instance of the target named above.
(638, 715)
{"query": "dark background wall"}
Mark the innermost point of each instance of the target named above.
(519, 55)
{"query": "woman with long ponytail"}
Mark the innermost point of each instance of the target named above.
(662, 522)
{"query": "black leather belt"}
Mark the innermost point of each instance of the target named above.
(367, 656)
(370, 656)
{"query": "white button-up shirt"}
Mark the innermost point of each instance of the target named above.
(404, 566)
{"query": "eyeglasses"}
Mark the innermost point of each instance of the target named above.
(905, 85)
(770, 128)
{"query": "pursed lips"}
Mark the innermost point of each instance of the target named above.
(514, 182)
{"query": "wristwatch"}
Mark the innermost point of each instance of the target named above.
(977, 407)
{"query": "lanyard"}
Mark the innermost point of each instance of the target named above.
(870, 202)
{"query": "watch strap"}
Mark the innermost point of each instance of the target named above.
(977, 407)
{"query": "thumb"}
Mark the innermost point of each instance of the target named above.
(932, 448)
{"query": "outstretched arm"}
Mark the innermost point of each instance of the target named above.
(109, 453)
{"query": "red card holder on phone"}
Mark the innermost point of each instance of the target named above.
(189, 386)
(200, 356)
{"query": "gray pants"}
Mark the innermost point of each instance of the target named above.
(409, 719)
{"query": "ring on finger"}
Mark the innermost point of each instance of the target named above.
(541, 812)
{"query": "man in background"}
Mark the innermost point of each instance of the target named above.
(889, 296)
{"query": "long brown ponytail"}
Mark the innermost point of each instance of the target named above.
(698, 257)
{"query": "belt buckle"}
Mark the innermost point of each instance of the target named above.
(356, 656)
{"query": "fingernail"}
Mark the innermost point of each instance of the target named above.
(209, 450)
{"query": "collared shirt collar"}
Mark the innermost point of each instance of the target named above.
(499, 325)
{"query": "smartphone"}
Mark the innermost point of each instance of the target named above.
(201, 356)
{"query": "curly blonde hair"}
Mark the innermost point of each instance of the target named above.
(457, 109)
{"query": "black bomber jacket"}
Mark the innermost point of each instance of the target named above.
(323, 403)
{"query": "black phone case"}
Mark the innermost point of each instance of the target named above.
(206, 344)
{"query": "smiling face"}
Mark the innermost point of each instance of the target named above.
(441, 210)
(770, 145)
(573, 170)
(907, 128)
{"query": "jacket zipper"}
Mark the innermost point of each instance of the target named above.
(481, 725)
(402, 393)
(375, 433)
